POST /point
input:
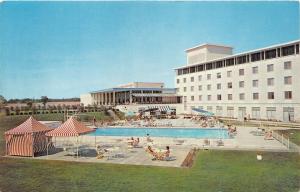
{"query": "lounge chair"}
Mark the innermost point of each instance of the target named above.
(153, 154)
(170, 158)
(206, 142)
(119, 155)
(160, 156)
(179, 141)
(100, 152)
(258, 132)
(71, 151)
(149, 140)
(220, 142)
(167, 156)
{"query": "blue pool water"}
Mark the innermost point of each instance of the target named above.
(163, 132)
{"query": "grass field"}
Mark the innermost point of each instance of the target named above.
(293, 134)
(213, 171)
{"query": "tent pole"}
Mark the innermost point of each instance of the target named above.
(47, 148)
(77, 147)
(6, 147)
(32, 137)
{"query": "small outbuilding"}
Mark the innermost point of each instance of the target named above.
(27, 139)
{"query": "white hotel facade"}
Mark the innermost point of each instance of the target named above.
(258, 84)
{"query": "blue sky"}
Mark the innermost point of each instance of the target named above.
(63, 49)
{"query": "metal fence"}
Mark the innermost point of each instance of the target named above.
(286, 141)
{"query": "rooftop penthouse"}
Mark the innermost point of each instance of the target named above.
(209, 56)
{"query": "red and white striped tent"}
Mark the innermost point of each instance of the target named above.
(27, 139)
(71, 128)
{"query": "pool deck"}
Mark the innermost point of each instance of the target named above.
(132, 156)
(244, 140)
(180, 147)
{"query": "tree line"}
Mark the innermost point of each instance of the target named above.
(42, 99)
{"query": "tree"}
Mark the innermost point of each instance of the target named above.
(95, 107)
(7, 111)
(29, 104)
(33, 109)
(44, 100)
(18, 110)
(2, 101)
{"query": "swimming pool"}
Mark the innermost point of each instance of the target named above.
(212, 133)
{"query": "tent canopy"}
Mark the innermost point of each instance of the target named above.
(203, 112)
(29, 126)
(70, 128)
(26, 139)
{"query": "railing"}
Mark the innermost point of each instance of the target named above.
(262, 123)
(189, 160)
(286, 141)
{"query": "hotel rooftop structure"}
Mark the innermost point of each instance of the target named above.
(133, 95)
(257, 84)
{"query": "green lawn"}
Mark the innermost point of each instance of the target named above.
(100, 116)
(293, 134)
(212, 171)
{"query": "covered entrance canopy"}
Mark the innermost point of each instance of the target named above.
(160, 108)
(70, 128)
(27, 139)
(203, 112)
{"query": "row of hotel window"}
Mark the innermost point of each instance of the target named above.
(251, 57)
(270, 68)
(270, 82)
(271, 112)
(255, 96)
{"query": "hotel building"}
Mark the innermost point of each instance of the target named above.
(134, 97)
(258, 84)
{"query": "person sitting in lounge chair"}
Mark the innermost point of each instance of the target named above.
(268, 135)
(136, 142)
(130, 141)
(152, 152)
(162, 156)
(148, 138)
(228, 128)
(234, 130)
(100, 152)
(166, 155)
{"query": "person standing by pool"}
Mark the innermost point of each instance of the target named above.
(94, 121)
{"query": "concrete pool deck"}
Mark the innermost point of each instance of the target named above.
(180, 148)
(135, 156)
